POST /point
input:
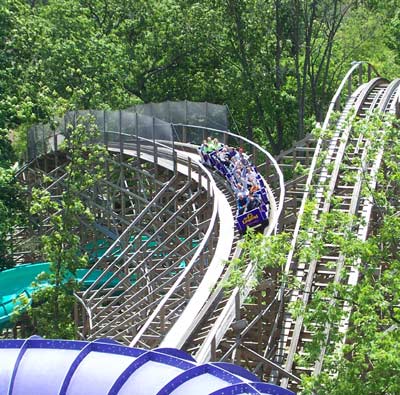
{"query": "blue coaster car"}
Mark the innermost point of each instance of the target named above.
(256, 218)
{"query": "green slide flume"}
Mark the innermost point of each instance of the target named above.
(18, 281)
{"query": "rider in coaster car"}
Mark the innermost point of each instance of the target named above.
(210, 145)
(239, 177)
(231, 152)
(252, 202)
(223, 156)
(217, 144)
(252, 183)
(243, 157)
(240, 188)
(203, 151)
(204, 146)
(241, 203)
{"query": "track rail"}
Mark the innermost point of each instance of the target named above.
(197, 311)
(315, 274)
(204, 331)
(161, 290)
(362, 207)
(341, 150)
(246, 336)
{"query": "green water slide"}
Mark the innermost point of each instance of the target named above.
(18, 281)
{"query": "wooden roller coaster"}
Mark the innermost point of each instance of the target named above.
(164, 231)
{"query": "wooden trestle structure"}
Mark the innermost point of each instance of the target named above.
(164, 228)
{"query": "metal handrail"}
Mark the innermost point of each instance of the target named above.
(87, 311)
(336, 98)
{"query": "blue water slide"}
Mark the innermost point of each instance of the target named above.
(38, 366)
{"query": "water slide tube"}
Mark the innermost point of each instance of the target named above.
(38, 366)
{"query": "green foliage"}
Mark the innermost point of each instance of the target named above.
(51, 309)
(263, 252)
(11, 201)
(363, 360)
(276, 64)
(368, 35)
(299, 169)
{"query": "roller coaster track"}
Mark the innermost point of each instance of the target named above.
(171, 233)
(317, 273)
(270, 338)
(330, 182)
(174, 244)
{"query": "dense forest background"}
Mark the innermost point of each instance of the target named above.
(275, 63)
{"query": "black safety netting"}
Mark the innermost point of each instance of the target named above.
(114, 127)
(186, 113)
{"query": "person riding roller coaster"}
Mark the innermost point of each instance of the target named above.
(249, 188)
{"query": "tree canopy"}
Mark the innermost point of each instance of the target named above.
(275, 64)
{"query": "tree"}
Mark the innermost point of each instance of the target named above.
(256, 46)
(52, 302)
(276, 64)
(11, 201)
